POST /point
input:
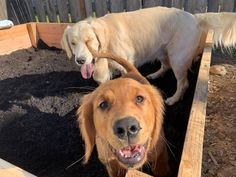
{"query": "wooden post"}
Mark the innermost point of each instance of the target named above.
(213, 5)
(178, 4)
(133, 5)
(151, 3)
(77, 10)
(89, 8)
(117, 5)
(63, 11)
(39, 7)
(191, 159)
(167, 3)
(51, 10)
(3, 10)
(100, 7)
(193, 6)
(227, 6)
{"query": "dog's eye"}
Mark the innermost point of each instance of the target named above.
(73, 43)
(139, 99)
(104, 105)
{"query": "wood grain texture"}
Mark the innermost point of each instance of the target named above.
(178, 3)
(151, 3)
(213, 5)
(88, 8)
(51, 34)
(117, 5)
(136, 173)
(63, 10)
(33, 34)
(100, 7)
(191, 159)
(227, 6)
(13, 39)
(51, 10)
(40, 10)
(3, 10)
(133, 5)
(199, 6)
(9, 170)
(77, 10)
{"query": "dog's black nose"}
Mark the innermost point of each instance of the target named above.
(126, 128)
(80, 60)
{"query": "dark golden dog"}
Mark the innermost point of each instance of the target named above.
(123, 117)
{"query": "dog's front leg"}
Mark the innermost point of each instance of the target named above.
(107, 158)
(101, 72)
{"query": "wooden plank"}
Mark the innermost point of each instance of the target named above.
(3, 10)
(63, 10)
(51, 10)
(167, 3)
(133, 5)
(77, 10)
(191, 160)
(136, 173)
(88, 8)
(33, 34)
(227, 6)
(178, 4)
(9, 170)
(14, 39)
(40, 10)
(51, 33)
(151, 3)
(199, 6)
(213, 5)
(100, 7)
(30, 9)
(117, 5)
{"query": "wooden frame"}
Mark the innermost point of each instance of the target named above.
(27, 35)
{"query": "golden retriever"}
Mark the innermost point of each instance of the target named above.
(123, 117)
(170, 35)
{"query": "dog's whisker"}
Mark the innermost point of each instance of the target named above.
(168, 145)
(75, 162)
(86, 87)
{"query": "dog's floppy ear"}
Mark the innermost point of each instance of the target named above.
(86, 125)
(100, 33)
(65, 43)
(158, 103)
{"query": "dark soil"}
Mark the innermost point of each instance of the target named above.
(219, 155)
(39, 95)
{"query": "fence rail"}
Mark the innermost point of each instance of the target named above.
(22, 11)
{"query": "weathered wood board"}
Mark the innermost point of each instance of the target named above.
(9, 170)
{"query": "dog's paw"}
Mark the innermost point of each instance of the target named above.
(151, 76)
(170, 101)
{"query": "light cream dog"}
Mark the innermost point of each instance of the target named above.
(170, 35)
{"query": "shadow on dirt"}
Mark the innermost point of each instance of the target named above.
(38, 129)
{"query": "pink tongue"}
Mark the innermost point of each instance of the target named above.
(87, 70)
(130, 151)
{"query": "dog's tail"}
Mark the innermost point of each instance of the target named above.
(132, 72)
(224, 27)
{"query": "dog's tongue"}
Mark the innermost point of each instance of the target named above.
(87, 70)
(130, 152)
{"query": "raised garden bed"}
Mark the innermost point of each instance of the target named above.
(40, 90)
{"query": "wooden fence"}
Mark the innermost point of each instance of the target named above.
(22, 11)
